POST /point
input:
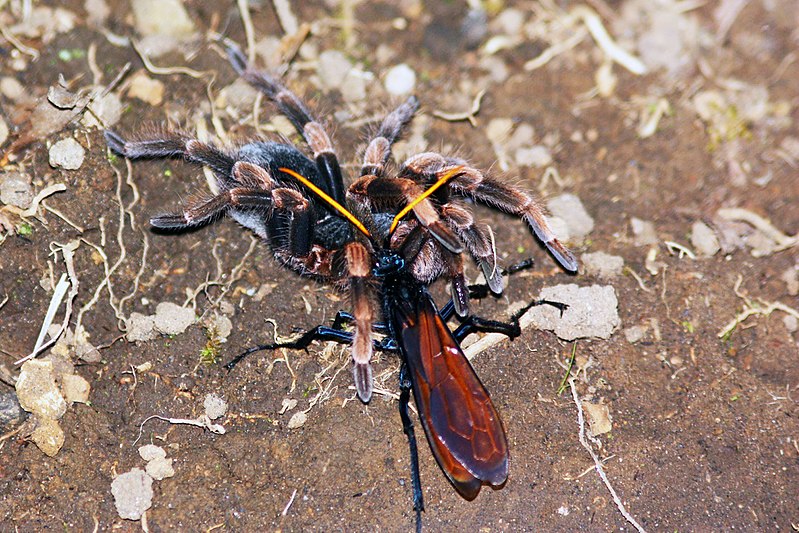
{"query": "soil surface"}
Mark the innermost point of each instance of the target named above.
(705, 428)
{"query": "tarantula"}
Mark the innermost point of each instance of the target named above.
(319, 228)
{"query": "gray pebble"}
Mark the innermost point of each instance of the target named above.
(644, 233)
(171, 319)
(592, 312)
(215, 407)
(67, 154)
(602, 265)
(332, 68)
(400, 80)
(704, 239)
(16, 189)
(133, 493)
(37, 390)
(11, 413)
(165, 17)
(140, 328)
(571, 209)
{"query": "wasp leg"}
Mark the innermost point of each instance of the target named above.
(407, 428)
(511, 329)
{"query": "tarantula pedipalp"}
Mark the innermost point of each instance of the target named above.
(301, 207)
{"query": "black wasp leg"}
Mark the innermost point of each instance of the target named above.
(511, 328)
(343, 317)
(407, 428)
(319, 333)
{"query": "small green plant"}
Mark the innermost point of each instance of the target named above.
(25, 229)
(210, 351)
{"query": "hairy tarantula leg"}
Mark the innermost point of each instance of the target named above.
(171, 144)
(372, 191)
(294, 109)
(472, 183)
(478, 240)
(358, 273)
(379, 149)
(203, 211)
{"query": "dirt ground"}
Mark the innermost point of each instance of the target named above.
(705, 428)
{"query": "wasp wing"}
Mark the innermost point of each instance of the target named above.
(462, 426)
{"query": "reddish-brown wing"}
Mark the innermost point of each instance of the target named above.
(462, 426)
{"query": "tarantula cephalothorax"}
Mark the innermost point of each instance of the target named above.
(318, 227)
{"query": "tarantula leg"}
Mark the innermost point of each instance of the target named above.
(203, 211)
(171, 144)
(472, 183)
(371, 191)
(478, 240)
(358, 274)
(379, 149)
(295, 110)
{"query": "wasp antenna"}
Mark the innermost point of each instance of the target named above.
(441, 181)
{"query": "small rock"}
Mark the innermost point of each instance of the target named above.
(158, 45)
(48, 436)
(3, 131)
(146, 89)
(634, 334)
(354, 87)
(474, 28)
(332, 68)
(570, 208)
(535, 156)
(12, 89)
(140, 328)
(16, 189)
(496, 68)
(160, 468)
(791, 323)
(602, 265)
(37, 390)
(498, 130)
(239, 95)
(297, 420)
(644, 233)
(592, 312)
(270, 50)
(791, 279)
(150, 452)
(400, 80)
(171, 319)
(704, 240)
(75, 388)
(164, 17)
(133, 493)
(11, 413)
(510, 21)
(98, 11)
(599, 419)
(215, 407)
(522, 137)
(219, 326)
(67, 154)
(106, 111)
